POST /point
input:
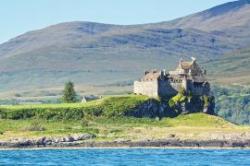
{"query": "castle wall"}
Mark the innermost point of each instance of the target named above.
(156, 88)
(148, 88)
(168, 89)
(199, 89)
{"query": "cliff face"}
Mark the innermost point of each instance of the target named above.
(153, 108)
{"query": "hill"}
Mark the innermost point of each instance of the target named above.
(232, 68)
(106, 55)
(231, 15)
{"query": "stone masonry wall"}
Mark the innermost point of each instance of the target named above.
(166, 89)
(148, 88)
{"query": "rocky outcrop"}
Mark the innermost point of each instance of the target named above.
(169, 142)
(46, 141)
(153, 108)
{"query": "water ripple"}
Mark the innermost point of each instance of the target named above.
(124, 157)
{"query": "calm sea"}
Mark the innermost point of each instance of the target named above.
(154, 157)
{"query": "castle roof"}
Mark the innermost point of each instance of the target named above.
(190, 69)
(186, 65)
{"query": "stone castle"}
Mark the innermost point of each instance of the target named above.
(188, 76)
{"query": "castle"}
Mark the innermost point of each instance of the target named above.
(187, 76)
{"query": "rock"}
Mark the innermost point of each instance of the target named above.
(205, 110)
(41, 141)
(24, 142)
(85, 136)
(121, 140)
(56, 140)
(157, 118)
(49, 142)
(69, 139)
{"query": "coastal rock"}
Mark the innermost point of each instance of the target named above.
(169, 142)
(85, 136)
(121, 140)
(45, 141)
(41, 141)
(68, 139)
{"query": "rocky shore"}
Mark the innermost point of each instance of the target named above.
(87, 140)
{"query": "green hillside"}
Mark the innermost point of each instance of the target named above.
(231, 68)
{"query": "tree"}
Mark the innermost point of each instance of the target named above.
(69, 94)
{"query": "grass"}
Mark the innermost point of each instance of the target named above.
(196, 126)
(109, 107)
(106, 119)
(200, 120)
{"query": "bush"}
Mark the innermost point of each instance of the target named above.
(18, 114)
(179, 98)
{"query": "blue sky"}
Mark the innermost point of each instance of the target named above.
(19, 16)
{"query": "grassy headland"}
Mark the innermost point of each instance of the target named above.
(108, 119)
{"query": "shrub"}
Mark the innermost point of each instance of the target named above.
(179, 98)
(16, 114)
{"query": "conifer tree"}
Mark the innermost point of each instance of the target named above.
(69, 94)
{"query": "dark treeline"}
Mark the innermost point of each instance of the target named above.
(233, 103)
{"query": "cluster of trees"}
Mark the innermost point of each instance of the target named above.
(233, 103)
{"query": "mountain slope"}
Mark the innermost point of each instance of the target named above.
(231, 68)
(222, 17)
(98, 54)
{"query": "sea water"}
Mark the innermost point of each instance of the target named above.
(139, 156)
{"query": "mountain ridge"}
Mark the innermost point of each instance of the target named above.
(231, 14)
(97, 53)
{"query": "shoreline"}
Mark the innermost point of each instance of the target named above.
(116, 148)
(165, 144)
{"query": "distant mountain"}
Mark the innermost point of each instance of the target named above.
(223, 17)
(94, 53)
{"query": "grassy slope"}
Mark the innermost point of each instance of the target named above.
(193, 126)
(231, 68)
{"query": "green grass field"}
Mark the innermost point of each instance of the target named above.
(105, 119)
